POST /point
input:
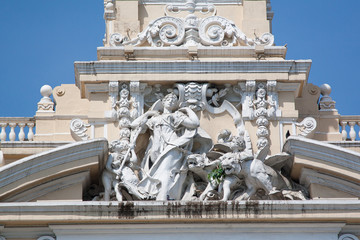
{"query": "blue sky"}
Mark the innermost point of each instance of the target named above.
(40, 40)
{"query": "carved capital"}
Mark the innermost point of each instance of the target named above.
(113, 88)
(271, 86)
(137, 87)
(250, 86)
(12, 125)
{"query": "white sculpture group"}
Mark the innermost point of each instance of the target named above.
(180, 162)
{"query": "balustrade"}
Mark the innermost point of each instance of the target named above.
(350, 128)
(9, 126)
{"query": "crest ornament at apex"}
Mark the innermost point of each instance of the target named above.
(170, 30)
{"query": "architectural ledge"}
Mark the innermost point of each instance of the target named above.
(346, 211)
(198, 67)
(201, 52)
(98, 71)
(33, 144)
(329, 158)
(22, 175)
(217, 2)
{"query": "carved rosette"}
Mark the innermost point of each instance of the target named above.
(262, 111)
(123, 113)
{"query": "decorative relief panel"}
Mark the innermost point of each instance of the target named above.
(165, 154)
(191, 30)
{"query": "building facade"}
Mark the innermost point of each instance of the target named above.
(191, 124)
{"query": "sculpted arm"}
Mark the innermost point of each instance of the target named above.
(142, 120)
(191, 121)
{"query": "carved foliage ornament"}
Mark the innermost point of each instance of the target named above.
(210, 31)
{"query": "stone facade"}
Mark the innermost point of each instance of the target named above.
(191, 121)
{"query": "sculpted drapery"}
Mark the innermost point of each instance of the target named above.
(164, 164)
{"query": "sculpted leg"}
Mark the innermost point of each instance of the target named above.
(107, 182)
(227, 184)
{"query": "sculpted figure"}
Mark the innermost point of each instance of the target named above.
(230, 182)
(199, 167)
(110, 173)
(164, 164)
(257, 176)
(118, 173)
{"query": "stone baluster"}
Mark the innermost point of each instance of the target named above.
(352, 132)
(12, 135)
(21, 132)
(3, 132)
(31, 132)
(343, 130)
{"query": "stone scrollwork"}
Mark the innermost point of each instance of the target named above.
(192, 31)
(266, 39)
(164, 31)
(116, 39)
(78, 129)
(307, 126)
(220, 31)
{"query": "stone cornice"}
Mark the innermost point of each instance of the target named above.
(217, 2)
(118, 53)
(177, 212)
(190, 67)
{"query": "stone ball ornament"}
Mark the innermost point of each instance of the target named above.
(325, 89)
(46, 91)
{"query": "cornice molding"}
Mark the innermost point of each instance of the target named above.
(178, 211)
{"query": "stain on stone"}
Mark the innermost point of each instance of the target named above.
(126, 210)
(169, 209)
(252, 207)
(303, 210)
